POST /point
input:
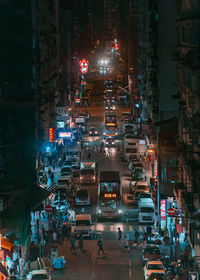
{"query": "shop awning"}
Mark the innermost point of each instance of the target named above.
(3, 270)
(5, 243)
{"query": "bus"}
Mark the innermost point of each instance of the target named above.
(109, 195)
(110, 124)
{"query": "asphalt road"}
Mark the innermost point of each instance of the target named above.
(118, 264)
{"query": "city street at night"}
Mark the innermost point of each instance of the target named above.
(100, 140)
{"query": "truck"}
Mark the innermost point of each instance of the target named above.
(80, 122)
(88, 172)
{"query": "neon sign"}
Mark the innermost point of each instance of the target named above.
(84, 65)
(64, 134)
(51, 132)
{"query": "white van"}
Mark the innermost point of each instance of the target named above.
(83, 225)
(146, 211)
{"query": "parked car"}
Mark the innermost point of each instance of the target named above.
(153, 267)
(39, 274)
(93, 131)
(82, 196)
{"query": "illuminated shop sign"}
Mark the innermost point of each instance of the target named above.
(64, 134)
(60, 124)
(51, 134)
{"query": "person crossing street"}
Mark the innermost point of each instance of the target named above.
(100, 245)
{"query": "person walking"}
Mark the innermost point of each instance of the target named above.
(136, 236)
(73, 241)
(80, 242)
(149, 232)
(126, 243)
(119, 233)
(100, 245)
(52, 178)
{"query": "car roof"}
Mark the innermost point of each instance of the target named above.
(39, 271)
(154, 262)
(83, 217)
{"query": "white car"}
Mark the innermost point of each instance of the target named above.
(39, 274)
(153, 267)
(82, 197)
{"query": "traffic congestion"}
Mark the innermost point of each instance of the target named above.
(105, 191)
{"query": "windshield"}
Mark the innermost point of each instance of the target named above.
(87, 172)
(147, 210)
(83, 223)
(129, 150)
(63, 182)
(153, 250)
(82, 194)
(66, 169)
(112, 204)
(40, 276)
(110, 119)
(155, 267)
(145, 195)
(110, 187)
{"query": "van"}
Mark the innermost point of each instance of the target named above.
(146, 211)
(82, 197)
(83, 225)
(128, 152)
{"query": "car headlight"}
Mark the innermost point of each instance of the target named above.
(99, 211)
(81, 177)
(120, 211)
(93, 177)
(95, 132)
(113, 143)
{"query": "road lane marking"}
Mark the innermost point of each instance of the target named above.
(130, 270)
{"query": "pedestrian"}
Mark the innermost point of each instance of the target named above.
(136, 236)
(119, 233)
(73, 241)
(185, 238)
(80, 242)
(144, 236)
(52, 178)
(89, 155)
(126, 243)
(149, 232)
(100, 245)
(54, 237)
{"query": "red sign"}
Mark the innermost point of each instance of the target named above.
(83, 65)
(170, 211)
(1, 255)
(51, 134)
(162, 209)
(48, 208)
(179, 228)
